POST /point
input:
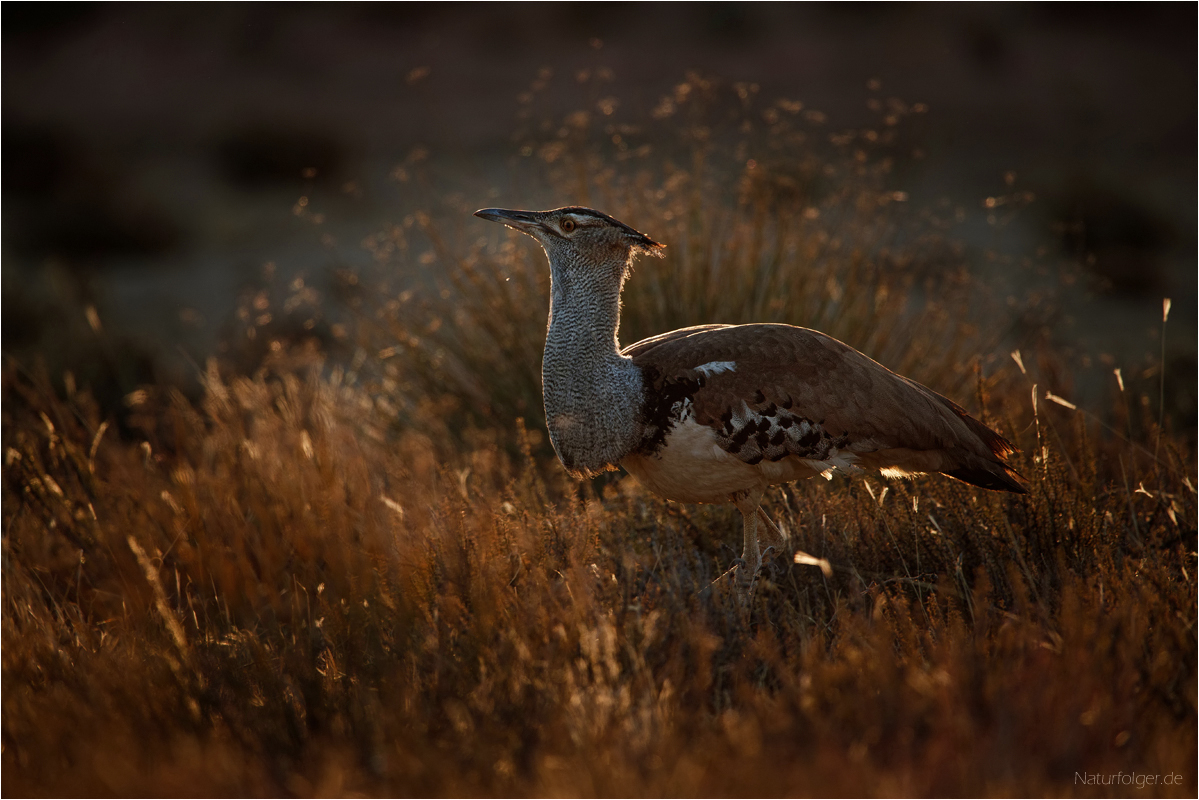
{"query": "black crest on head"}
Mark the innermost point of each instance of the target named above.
(637, 236)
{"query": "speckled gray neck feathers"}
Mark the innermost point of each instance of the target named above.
(593, 395)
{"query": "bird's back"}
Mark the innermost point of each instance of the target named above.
(780, 394)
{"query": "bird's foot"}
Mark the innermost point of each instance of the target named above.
(746, 581)
(744, 578)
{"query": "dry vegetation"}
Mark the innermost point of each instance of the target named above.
(364, 575)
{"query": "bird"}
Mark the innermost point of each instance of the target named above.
(718, 413)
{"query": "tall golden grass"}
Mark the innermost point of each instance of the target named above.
(369, 576)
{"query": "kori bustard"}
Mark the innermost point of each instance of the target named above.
(717, 413)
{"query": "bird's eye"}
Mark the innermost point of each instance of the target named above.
(568, 225)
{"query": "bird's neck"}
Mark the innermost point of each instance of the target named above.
(592, 393)
(584, 321)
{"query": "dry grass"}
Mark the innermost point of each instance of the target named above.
(372, 579)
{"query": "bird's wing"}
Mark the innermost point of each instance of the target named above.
(772, 390)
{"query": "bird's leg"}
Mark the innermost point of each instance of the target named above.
(744, 571)
(747, 503)
(771, 533)
(800, 556)
(779, 538)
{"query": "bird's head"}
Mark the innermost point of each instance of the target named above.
(577, 238)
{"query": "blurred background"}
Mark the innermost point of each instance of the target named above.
(163, 160)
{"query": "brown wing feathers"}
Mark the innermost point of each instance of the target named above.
(793, 391)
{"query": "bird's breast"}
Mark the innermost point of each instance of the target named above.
(690, 467)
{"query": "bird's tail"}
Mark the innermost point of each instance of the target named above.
(992, 473)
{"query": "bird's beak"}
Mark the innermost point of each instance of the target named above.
(523, 221)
